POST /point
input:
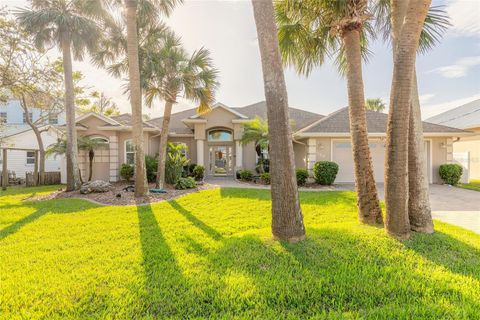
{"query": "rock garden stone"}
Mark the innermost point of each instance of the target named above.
(97, 186)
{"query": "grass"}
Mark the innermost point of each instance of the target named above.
(210, 255)
(472, 185)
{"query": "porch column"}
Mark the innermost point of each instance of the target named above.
(200, 151)
(238, 154)
(311, 155)
(113, 158)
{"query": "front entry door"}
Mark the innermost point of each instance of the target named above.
(220, 160)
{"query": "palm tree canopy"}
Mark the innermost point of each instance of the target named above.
(54, 21)
(174, 73)
(375, 104)
(310, 31)
(84, 143)
(256, 131)
(435, 25)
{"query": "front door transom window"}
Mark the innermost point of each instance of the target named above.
(219, 135)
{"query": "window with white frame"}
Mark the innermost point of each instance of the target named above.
(129, 152)
(30, 157)
(25, 117)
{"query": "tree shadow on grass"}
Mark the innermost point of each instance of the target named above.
(335, 272)
(214, 234)
(346, 198)
(165, 285)
(41, 208)
(443, 249)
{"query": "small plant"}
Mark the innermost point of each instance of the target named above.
(185, 183)
(302, 176)
(198, 172)
(451, 173)
(246, 175)
(126, 172)
(325, 172)
(265, 177)
(151, 164)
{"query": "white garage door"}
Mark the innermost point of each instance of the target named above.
(342, 154)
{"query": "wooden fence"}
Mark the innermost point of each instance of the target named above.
(35, 179)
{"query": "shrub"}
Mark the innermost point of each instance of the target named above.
(302, 176)
(325, 172)
(265, 177)
(450, 173)
(126, 172)
(151, 165)
(246, 175)
(185, 183)
(176, 160)
(198, 172)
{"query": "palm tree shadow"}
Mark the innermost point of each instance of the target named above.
(41, 208)
(162, 273)
(443, 249)
(214, 234)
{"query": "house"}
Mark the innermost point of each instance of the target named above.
(213, 140)
(466, 149)
(16, 133)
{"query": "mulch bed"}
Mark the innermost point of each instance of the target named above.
(126, 197)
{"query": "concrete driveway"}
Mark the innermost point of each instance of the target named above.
(457, 206)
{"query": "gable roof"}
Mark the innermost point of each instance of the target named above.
(338, 122)
(125, 119)
(224, 107)
(300, 118)
(463, 117)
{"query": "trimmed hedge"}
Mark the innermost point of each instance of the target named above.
(265, 177)
(302, 176)
(185, 183)
(126, 172)
(325, 172)
(198, 172)
(246, 175)
(450, 173)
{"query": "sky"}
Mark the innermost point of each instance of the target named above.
(448, 75)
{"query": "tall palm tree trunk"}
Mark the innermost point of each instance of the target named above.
(141, 187)
(287, 218)
(73, 179)
(369, 210)
(162, 150)
(419, 210)
(396, 180)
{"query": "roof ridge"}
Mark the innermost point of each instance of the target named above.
(322, 119)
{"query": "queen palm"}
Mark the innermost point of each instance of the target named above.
(310, 31)
(73, 27)
(174, 74)
(435, 24)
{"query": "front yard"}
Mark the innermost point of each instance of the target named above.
(472, 185)
(210, 255)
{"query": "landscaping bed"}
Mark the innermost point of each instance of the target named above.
(125, 197)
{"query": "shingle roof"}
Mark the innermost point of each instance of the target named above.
(339, 122)
(126, 120)
(300, 118)
(465, 116)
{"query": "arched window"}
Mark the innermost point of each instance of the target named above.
(219, 135)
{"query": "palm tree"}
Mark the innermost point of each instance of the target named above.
(406, 41)
(122, 53)
(84, 143)
(287, 218)
(256, 131)
(73, 27)
(174, 74)
(436, 23)
(375, 105)
(311, 30)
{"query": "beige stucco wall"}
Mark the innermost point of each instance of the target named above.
(471, 145)
(300, 152)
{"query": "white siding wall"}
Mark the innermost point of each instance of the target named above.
(17, 160)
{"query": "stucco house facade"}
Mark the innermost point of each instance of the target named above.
(213, 140)
(466, 149)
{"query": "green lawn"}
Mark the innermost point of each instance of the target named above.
(210, 255)
(473, 185)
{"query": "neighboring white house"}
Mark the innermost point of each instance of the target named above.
(18, 134)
